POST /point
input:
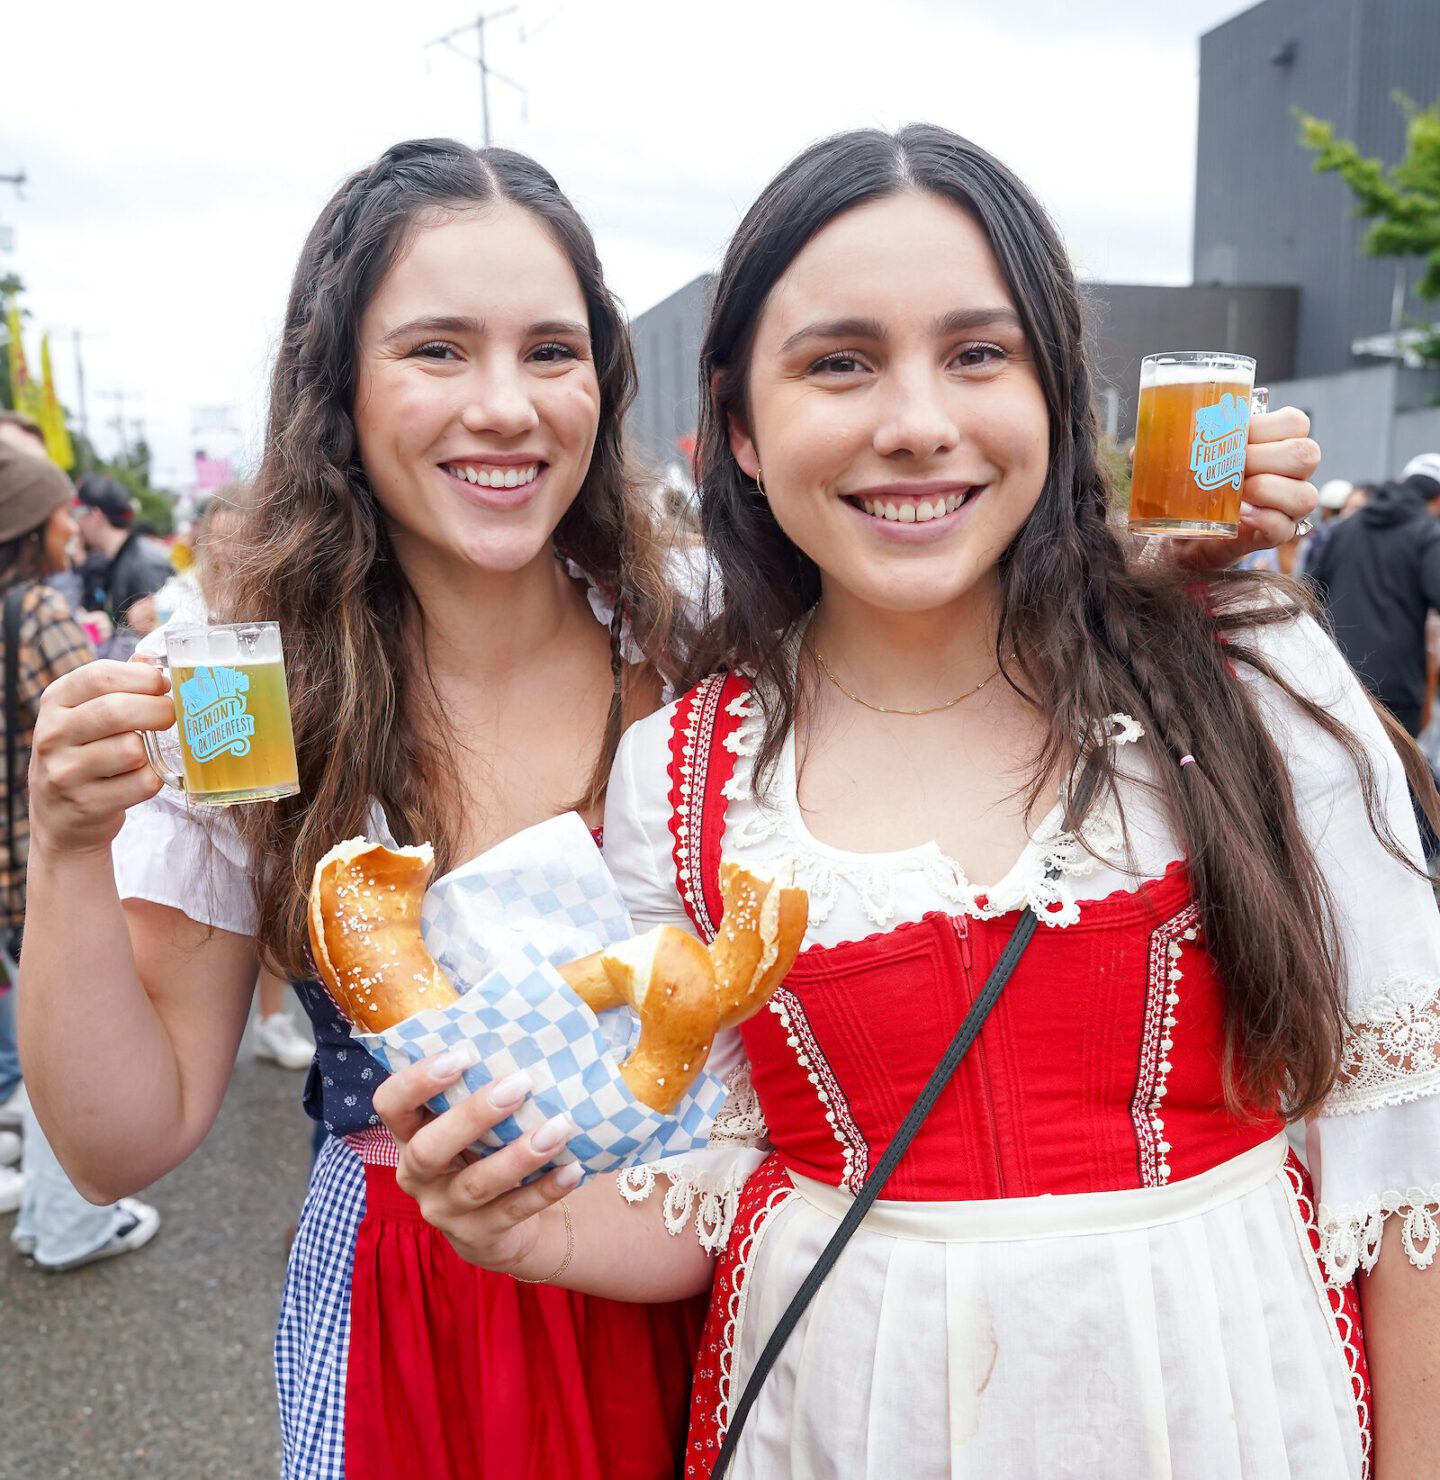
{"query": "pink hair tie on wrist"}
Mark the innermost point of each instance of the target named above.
(1186, 760)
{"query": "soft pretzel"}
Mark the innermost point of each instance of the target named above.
(365, 933)
(759, 937)
(667, 977)
(704, 989)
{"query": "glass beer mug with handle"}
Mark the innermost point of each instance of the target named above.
(1191, 427)
(232, 715)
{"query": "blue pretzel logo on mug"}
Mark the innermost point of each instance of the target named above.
(215, 713)
(1217, 455)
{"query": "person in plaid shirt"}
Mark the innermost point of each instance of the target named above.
(56, 1225)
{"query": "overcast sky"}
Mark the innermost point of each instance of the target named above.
(177, 154)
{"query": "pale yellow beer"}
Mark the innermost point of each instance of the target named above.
(232, 715)
(263, 765)
(1191, 430)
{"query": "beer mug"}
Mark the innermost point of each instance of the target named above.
(232, 715)
(1191, 428)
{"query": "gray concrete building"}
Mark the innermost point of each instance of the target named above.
(1262, 214)
(667, 358)
(1128, 321)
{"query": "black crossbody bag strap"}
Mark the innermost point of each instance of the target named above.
(875, 1182)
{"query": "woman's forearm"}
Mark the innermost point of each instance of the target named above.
(1402, 1343)
(124, 1084)
(622, 1250)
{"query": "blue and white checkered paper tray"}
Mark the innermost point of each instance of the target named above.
(498, 926)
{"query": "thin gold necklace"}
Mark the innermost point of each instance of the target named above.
(829, 673)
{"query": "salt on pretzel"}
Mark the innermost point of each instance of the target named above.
(365, 933)
(759, 937)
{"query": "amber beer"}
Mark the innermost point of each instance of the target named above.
(1190, 434)
(232, 714)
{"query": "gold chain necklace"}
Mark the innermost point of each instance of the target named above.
(829, 673)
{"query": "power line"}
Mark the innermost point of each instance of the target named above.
(486, 70)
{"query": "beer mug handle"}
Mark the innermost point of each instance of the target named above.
(1260, 400)
(150, 739)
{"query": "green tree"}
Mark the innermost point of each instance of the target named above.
(132, 468)
(1403, 203)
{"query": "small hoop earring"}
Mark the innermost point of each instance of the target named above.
(759, 486)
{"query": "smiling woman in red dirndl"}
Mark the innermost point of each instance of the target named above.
(1101, 1255)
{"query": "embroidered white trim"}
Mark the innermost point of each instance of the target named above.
(772, 824)
(741, 1122)
(1350, 1234)
(706, 1186)
(739, 1290)
(811, 1058)
(1157, 1041)
(694, 765)
(1333, 1297)
(704, 1191)
(1392, 1055)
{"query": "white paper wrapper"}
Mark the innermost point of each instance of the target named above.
(499, 925)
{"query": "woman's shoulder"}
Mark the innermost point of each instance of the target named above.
(1294, 644)
(647, 741)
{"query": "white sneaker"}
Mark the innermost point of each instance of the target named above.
(9, 1148)
(12, 1185)
(139, 1227)
(278, 1039)
(12, 1111)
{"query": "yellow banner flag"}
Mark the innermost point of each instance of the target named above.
(52, 413)
(24, 393)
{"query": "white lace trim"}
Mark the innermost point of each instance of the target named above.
(1167, 946)
(833, 1101)
(1350, 1235)
(1392, 1054)
(1333, 1297)
(741, 1122)
(705, 1186)
(701, 1193)
(772, 825)
(739, 1297)
(604, 610)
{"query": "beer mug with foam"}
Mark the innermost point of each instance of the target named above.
(1191, 428)
(232, 715)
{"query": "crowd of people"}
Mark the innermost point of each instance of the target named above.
(81, 578)
(1140, 808)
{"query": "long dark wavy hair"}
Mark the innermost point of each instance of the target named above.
(315, 555)
(1083, 633)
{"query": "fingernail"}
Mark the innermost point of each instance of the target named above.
(569, 1175)
(1247, 510)
(554, 1133)
(511, 1090)
(454, 1061)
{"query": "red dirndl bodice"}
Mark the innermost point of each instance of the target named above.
(1098, 1070)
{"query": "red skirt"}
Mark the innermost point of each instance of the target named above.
(456, 1373)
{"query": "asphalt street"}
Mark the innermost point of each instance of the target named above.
(157, 1363)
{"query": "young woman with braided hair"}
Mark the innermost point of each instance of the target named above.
(935, 666)
(442, 512)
